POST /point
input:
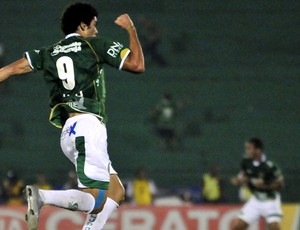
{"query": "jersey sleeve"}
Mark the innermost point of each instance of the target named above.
(110, 52)
(35, 59)
(277, 173)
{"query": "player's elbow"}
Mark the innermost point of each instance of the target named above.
(138, 68)
(134, 66)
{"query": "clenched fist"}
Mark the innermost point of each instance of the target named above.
(124, 21)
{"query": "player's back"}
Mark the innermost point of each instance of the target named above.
(73, 71)
(73, 65)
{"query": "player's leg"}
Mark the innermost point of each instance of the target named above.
(274, 226)
(240, 225)
(89, 143)
(88, 200)
(94, 167)
(273, 213)
(116, 190)
(250, 213)
(115, 197)
(91, 201)
(83, 140)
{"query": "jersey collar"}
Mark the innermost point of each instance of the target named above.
(263, 159)
(72, 35)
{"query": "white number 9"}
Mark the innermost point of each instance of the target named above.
(65, 70)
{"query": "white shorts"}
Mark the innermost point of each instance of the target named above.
(268, 209)
(84, 142)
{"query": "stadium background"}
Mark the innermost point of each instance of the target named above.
(241, 62)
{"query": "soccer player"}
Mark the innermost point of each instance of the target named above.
(73, 70)
(265, 180)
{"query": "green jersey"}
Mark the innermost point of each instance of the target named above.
(267, 171)
(73, 70)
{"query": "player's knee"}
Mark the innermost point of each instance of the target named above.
(99, 206)
(100, 197)
(240, 225)
(237, 227)
(274, 226)
(97, 210)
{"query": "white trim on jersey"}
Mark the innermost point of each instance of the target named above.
(72, 35)
(123, 60)
(29, 60)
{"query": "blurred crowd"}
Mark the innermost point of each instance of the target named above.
(11, 189)
(141, 190)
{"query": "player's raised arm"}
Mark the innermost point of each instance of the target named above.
(19, 67)
(135, 60)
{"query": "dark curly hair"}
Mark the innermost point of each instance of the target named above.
(76, 14)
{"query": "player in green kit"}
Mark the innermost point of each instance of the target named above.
(73, 70)
(265, 179)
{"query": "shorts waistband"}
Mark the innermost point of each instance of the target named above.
(83, 116)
